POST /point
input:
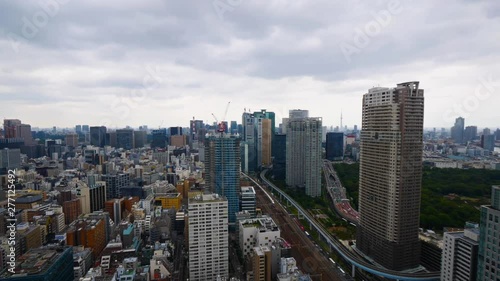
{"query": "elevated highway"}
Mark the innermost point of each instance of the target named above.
(344, 252)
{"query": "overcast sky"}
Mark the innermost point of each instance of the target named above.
(162, 62)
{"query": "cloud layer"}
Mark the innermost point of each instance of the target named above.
(119, 63)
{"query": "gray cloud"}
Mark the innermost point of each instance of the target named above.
(263, 54)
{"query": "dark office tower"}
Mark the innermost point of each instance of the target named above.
(470, 133)
(222, 169)
(78, 129)
(85, 129)
(248, 144)
(174, 131)
(159, 138)
(125, 138)
(457, 131)
(114, 184)
(497, 134)
(390, 176)
(303, 154)
(334, 146)
(234, 127)
(10, 128)
(488, 142)
(279, 159)
(98, 136)
(111, 139)
(140, 138)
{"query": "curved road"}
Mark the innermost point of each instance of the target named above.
(346, 253)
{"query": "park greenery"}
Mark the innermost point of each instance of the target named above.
(450, 197)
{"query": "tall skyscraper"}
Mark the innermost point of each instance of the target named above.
(208, 238)
(488, 142)
(125, 138)
(159, 138)
(222, 169)
(10, 127)
(488, 238)
(197, 132)
(98, 136)
(140, 139)
(24, 131)
(279, 156)
(334, 146)
(390, 176)
(470, 133)
(249, 143)
(303, 153)
(457, 131)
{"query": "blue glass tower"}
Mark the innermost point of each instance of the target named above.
(334, 146)
(222, 169)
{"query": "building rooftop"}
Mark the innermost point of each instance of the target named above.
(36, 261)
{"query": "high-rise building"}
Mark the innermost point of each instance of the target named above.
(197, 132)
(159, 138)
(390, 176)
(10, 127)
(24, 131)
(334, 146)
(85, 128)
(9, 159)
(457, 131)
(71, 140)
(234, 127)
(279, 156)
(178, 140)
(248, 144)
(208, 237)
(263, 133)
(486, 132)
(140, 139)
(303, 152)
(114, 182)
(125, 139)
(470, 133)
(459, 256)
(98, 136)
(78, 129)
(497, 134)
(298, 114)
(262, 263)
(488, 238)
(111, 139)
(174, 131)
(52, 263)
(222, 169)
(248, 199)
(488, 142)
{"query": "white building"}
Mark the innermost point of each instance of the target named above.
(208, 237)
(257, 232)
(459, 257)
(248, 200)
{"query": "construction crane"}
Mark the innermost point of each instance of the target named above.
(221, 126)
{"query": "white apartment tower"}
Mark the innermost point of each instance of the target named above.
(208, 237)
(303, 152)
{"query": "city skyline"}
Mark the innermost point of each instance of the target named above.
(150, 61)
